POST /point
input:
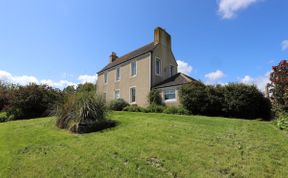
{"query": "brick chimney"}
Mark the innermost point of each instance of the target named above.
(113, 57)
(162, 37)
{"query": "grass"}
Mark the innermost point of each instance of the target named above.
(145, 145)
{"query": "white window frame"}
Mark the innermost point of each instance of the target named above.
(118, 79)
(130, 95)
(172, 99)
(106, 77)
(132, 70)
(160, 66)
(117, 90)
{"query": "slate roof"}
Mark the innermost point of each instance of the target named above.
(145, 49)
(175, 80)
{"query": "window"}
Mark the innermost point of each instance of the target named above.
(117, 94)
(171, 71)
(118, 74)
(106, 77)
(133, 69)
(158, 66)
(132, 95)
(170, 94)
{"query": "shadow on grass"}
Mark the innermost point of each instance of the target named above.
(83, 128)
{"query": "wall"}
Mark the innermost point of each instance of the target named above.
(141, 81)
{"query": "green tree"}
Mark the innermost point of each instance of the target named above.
(278, 88)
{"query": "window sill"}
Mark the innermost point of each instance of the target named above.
(170, 100)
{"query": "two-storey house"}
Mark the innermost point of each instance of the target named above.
(135, 74)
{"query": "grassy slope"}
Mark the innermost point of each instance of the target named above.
(145, 145)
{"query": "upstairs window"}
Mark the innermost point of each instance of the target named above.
(118, 74)
(106, 77)
(170, 94)
(133, 69)
(158, 66)
(132, 95)
(171, 71)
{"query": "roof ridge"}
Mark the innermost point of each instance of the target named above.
(130, 55)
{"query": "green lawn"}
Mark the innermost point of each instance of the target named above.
(145, 145)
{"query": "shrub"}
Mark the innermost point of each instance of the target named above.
(175, 110)
(245, 101)
(194, 97)
(32, 101)
(155, 108)
(171, 110)
(282, 121)
(134, 108)
(82, 113)
(232, 100)
(154, 97)
(118, 104)
(3, 117)
(215, 97)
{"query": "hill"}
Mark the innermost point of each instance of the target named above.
(145, 145)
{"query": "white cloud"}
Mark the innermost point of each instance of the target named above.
(60, 84)
(184, 67)
(212, 76)
(229, 8)
(21, 80)
(285, 45)
(260, 81)
(25, 80)
(88, 78)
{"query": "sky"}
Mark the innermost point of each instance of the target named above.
(66, 42)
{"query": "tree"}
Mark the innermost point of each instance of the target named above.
(278, 88)
(86, 87)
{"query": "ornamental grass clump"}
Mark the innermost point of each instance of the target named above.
(82, 113)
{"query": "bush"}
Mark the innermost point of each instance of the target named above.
(32, 101)
(194, 97)
(134, 108)
(282, 121)
(82, 113)
(171, 110)
(155, 108)
(154, 97)
(245, 101)
(118, 104)
(3, 117)
(175, 110)
(232, 100)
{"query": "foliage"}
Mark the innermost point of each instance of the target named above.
(154, 97)
(86, 87)
(134, 108)
(32, 101)
(194, 97)
(83, 112)
(6, 91)
(232, 100)
(69, 90)
(3, 117)
(155, 108)
(175, 110)
(279, 85)
(282, 121)
(145, 145)
(245, 101)
(118, 104)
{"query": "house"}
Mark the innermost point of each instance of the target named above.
(135, 74)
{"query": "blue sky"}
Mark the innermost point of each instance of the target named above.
(62, 42)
